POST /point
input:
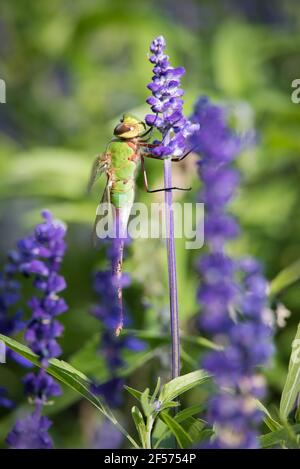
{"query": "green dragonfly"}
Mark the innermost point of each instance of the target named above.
(124, 153)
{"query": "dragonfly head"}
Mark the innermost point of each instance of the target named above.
(129, 127)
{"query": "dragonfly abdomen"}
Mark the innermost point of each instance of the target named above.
(121, 196)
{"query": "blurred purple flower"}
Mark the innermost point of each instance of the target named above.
(233, 294)
(9, 296)
(111, 391)
(31, 432)
(107, 311)
(4, 400)
(41, 386)
(39, 257)
(107, 436)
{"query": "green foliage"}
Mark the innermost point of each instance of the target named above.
(291, 388)
(156, 409)
(286, 437)
(69, 376)
(182, 437)
(153, 406)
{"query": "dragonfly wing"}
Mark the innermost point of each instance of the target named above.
(98, 168)
(104, 200)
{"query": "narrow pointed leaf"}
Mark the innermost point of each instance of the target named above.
(180, 385)
(292, 385)
(279, 436)
(140, 425)
(285, 278)
(268, 419)
(177, 430)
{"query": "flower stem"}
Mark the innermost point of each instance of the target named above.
(174, 319)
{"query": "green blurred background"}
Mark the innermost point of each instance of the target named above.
(71, 69)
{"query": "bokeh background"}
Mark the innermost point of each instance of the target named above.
(71, 69)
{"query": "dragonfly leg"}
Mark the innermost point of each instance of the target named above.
(164, 189)
(180, 158)
(174, 159)
(154, 157)
(149, 131)
(143, 143)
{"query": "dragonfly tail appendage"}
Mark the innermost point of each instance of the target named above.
(117, 273)
(117, 265)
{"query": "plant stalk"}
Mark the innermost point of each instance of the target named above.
(174, 318)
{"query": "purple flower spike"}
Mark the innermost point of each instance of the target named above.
(166, 103)
(39, 257)
(233, 293)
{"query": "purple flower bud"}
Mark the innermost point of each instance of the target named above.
(41, 386)
(34, 267)
(38, 256)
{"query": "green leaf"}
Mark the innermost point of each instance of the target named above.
(134, 392)
(292, 385)
(177, 430)
(176, 387)
(160, 339)
(156, 390)
(182, 416)
(194, 428)
(138, 395)
(42, 172)
(71, 377)
(279, 436)
(145, 402)
(89, 362)
(140, 425)
(269, 420)
(202, 342)
(168, 405)
(189, 412)
(180, 385)
(285, 278)
(190, 361)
